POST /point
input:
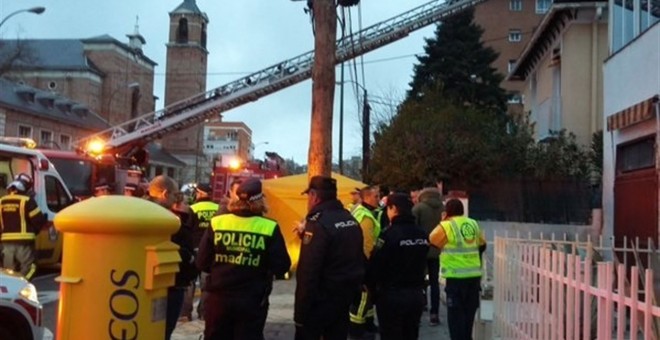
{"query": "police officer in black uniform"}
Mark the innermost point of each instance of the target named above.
(201, 213)
(242, 251)
(396, 271)
(331, 266)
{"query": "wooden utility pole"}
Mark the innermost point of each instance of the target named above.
(323, 88)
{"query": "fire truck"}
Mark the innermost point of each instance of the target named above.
(125, 142)
(225, 173)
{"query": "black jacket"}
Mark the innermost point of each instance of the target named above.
(399, 258)
(184, 239)
(331, 261)
(241, 261)
(200, 221)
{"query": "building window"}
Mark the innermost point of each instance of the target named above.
(542, 6)
(637, 155)
(511, 65)
(46, 137)
(515, 35)
(515, 5)
(182, 31)
(24, 131)
(65, 142)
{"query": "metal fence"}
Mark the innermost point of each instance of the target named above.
(565, 289)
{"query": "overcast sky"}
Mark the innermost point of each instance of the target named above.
(243, 36)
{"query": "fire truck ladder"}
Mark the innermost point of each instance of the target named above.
(190, 111)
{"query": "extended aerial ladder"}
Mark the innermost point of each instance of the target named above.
(190, 111)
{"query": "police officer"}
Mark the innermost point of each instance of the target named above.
(201, 213)
(331, 266)
(242, 251)
(462, 242)
(20, 222)
(362, 312)
(396, 271)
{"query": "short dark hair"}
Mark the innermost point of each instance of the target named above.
(454, 207)
(402, 202)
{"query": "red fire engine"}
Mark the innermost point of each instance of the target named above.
(224, 174)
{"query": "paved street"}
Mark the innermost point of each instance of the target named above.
(278, 326)
(280, 318)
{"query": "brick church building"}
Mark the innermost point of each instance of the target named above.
(61, 90)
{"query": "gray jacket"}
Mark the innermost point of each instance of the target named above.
(427, 213)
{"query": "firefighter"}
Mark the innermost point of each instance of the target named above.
(396, 271)
(461, 242)
(242, 251)
(362, 312)
(20, 222)
(202, 211)
(331, 266)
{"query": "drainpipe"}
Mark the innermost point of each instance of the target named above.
(595, 63)
(656, 104)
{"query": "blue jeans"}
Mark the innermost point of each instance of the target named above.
(174, 304)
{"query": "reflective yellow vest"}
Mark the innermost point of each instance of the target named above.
(241, 240)
(205, 210)
(361, 212)
(460, 256)
(14, 218)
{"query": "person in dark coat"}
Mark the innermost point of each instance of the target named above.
(396, 272)
(242, 251)
(164, 191)
(331, 266)
(428, 213)
(201, 212)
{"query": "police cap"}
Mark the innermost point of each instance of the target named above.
(250, 190)
(322, 183)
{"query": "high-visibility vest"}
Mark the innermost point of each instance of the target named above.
(241, 240)
(205, 210)
(361, 212)
(460, 256)
(14, 218)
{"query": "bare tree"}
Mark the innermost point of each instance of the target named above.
(13, 54)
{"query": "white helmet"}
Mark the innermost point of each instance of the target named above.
(18, 186)
(25, 179)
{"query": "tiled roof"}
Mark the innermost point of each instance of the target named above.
(160, 155)
(61, 54)
(50, 54)
(550, 28)
(107, 39)
(188, 6)
(44, 104)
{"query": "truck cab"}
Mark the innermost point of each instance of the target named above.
(50, 193)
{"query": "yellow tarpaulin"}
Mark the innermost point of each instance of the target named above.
(287, 206)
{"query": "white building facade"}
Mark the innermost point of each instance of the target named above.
(630, 140)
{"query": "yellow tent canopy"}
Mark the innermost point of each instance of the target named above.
(287, 206)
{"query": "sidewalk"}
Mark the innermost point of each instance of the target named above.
(279, 324)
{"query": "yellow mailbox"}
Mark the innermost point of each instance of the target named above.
(117, 264)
